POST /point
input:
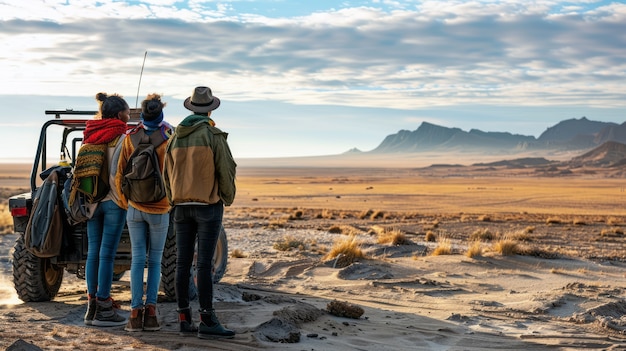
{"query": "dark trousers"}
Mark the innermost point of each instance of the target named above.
(191, 222)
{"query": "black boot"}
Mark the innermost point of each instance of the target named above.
(187, 327)
(210, 327)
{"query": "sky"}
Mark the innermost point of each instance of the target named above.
(309, 78)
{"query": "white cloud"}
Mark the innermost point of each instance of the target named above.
(405, 55)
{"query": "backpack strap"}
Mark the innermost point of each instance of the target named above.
(139, 136)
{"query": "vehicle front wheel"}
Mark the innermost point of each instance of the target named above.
(35, 279)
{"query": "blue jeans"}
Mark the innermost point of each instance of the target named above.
(104, 230)
(204, 223)
(147, 232)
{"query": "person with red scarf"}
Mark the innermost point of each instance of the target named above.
(104, 229)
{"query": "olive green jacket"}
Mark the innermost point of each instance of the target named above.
(198, 165)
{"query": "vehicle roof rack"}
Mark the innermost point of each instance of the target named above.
(134, 113)
(59, 113)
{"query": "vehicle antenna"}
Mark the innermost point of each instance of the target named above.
(140, 75)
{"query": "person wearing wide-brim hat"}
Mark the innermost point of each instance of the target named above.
(202, 100)
(199, 176)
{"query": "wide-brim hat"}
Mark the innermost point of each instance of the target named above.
(202, 100)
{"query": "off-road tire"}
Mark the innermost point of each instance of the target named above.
(168, 266)
(168, 263)
(35, 279)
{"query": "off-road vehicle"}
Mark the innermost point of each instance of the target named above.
(39, 279)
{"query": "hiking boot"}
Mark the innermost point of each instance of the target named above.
(151, 319)
(210, 327)
(106, 314)
(91, 310)
(187, 327)
(135, 321)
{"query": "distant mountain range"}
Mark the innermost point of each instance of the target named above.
(571, 135)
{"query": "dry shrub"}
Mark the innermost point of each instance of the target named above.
(277, 223)
(474, 250)
(482, 235)
(579, 221)
(349, 248)
(430, 236)
(377, 214)
(297, 214)
(289, 242)
(343, 229)
(466, 218)
(365, 214)
(484, 218)
(444, 247)
(344, 309)
(393, 237)
(506, 247)
(613, 221)
(335, 229)
(553, 220)
(611, 232)
(237, 253)
(325, 214)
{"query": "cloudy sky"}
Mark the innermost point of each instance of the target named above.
(301, 78)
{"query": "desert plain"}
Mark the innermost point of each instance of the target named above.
(442, 257)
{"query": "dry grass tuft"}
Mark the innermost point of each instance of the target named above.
(444, 247)
(482, 235)
(349, 249)
(288, 243)
(377, 214)
(529, 229)
(430, 236)
(6, 221)
(474, 250)
(506, 247)
(579, 221)
(365, 214)
(393, 237)
(521, 236)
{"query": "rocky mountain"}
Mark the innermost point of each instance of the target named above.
(609, 154)
(571, 134)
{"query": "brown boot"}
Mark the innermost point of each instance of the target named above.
(151, 319)
(135, 321)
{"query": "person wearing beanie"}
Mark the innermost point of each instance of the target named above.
(148, 222)
(199, 175)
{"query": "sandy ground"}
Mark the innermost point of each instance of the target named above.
(563, 290)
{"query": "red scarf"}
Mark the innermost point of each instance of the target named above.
(102, 131)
